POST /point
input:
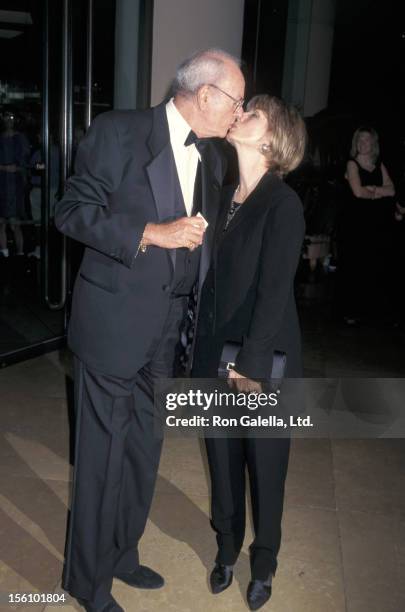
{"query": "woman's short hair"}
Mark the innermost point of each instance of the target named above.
(202, 68)
(355, 140)
(287, 133)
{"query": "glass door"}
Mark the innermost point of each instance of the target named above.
(56, 73)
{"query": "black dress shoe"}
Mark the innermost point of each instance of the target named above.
(221, 578)
(257, 594)
(109, 606)
(142, 578)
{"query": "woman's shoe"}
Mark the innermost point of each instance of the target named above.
(221, 578)
(257, 594)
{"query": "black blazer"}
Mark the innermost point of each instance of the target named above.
(248, 295)
(125, 176)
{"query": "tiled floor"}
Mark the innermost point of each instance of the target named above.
(343, 543)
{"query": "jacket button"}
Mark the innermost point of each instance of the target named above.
(212, 290)
(166, 288)
(210, 315)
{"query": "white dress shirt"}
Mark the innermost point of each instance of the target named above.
(186, 158)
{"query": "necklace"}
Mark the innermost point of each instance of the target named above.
(249, 191)
(235, 205)
(233, 209)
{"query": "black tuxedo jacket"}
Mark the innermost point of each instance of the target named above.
(248, 295)
(125, 176)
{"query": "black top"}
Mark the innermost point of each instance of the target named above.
(248, 294)
(362, 215)
(370, 177)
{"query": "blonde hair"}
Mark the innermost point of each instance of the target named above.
(376, 147)
(287, 133)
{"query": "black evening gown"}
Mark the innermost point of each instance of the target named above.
(364, 236)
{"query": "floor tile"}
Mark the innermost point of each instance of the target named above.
(310, 480)
(369, 561)
(368, 476)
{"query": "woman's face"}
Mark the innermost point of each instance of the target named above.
(365, 143)
(251, 128)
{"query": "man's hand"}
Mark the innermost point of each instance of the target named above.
(185, 232)
(242, 384)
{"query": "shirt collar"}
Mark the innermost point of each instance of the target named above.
(178, 127)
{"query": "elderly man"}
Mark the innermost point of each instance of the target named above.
(143, 179)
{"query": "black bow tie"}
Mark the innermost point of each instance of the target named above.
(192, 138)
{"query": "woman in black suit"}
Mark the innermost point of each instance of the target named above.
(248, 297)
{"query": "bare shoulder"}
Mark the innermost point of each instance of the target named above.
(352, 167)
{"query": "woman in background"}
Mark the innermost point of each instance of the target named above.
(365, 227)
(248, 297)
(14, 152)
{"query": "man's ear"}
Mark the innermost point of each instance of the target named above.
(203, 97)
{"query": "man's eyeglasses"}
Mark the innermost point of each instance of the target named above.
(237, 104)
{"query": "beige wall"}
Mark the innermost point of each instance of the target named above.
(181, 27)
(319, 56)
(308, 54)
(126, 53)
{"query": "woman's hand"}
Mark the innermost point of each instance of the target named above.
(242, 384)
(399, 212)
(373, 189)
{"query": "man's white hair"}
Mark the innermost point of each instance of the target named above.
(202, 68)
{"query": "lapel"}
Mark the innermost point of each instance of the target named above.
(211, 179)
(227, 195)
(161, 170)
(163, 180)
(258, 198)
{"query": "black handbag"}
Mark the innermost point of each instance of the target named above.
(230, 353)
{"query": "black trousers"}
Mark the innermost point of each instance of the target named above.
(267, 462)
(116, 463)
